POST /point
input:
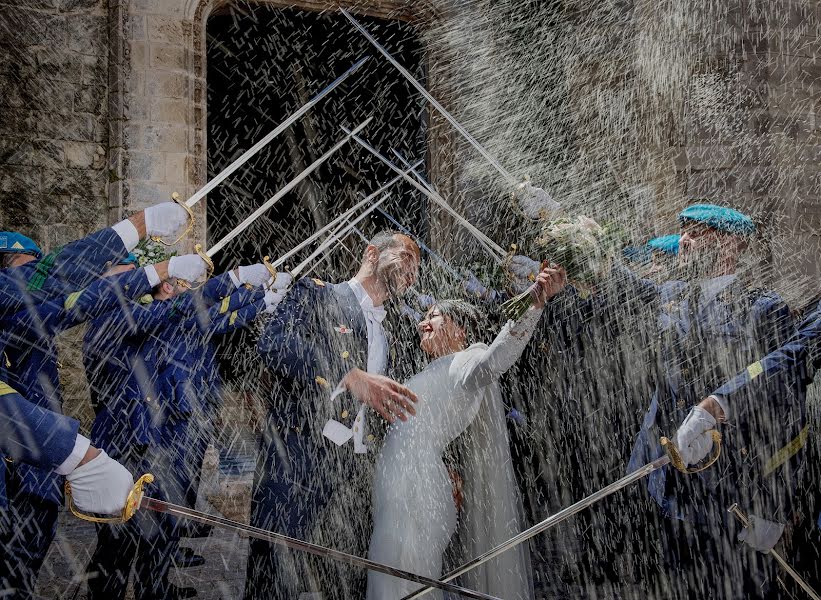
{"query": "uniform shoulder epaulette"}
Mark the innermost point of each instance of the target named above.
(318, 282)
(146, 299)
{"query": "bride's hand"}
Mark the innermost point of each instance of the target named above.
(387, 397)
(549, 282)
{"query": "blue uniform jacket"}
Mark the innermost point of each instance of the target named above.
(61, 272)
(704, 338)
(31, 434)
(316, 336)
(124, 351)
(30, 354)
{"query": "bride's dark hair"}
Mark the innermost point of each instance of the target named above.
(468, 317)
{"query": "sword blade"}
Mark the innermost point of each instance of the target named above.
(346, 215)
(288, 187)
(342, 230)
(161, 506)
(421, 89)
(551, 521)
(246, 156)
(493, 248)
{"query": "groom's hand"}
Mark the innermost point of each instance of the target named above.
(387, 397)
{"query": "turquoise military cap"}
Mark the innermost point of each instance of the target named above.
(718, 217)
(665, 243)
(17, 243)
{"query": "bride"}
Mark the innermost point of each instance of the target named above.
(458, 393)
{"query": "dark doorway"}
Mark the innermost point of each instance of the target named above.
(263, 64)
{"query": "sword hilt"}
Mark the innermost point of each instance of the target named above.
(678, 462)
(132, 503)
(178, 199)
(209, 265)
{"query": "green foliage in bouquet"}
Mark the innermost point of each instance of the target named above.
(149, 252)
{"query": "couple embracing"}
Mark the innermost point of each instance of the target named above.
(318, 466)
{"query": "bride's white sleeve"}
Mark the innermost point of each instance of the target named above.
(484, 367)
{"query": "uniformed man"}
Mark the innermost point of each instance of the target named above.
(30, 365)
(763, 411)
(48, 440)
(323, 340)
(129, 354)
(711, 323)
(27, 277)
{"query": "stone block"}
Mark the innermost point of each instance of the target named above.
(160, 7)
(135, 28)
(132, 136)
(135, 82)
(137, 195)
(37, 153)
(87, 34)
(16, 213)
(72, 127)
(136, 108)
(95, 70)
(100, 129)
(709, 157)
(84, 155)
(88, 99)
(165, 138)
(139, 55)
(165, 29)
(20, 180)
(17, 122)
(176, 166)
(168, 56)
(88, 5)
(59, 66)
(146, 166)
(167, 84)
(23, 28)
(169, 110)
(73, 182)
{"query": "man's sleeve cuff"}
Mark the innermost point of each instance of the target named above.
(152, 276)
(128, 234)
(81, 445)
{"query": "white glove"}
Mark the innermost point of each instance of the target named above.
(165, 218)
(473, 286)
(282, 281)
(537, 203)
(254, 275)
(189, 267)
(101, 485)
(272, 300)
(761, 535)
(693, 439)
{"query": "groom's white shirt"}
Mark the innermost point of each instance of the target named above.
(377, 364)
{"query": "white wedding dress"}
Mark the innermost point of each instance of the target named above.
(414, 512)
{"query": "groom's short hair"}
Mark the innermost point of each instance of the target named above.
(388, 238)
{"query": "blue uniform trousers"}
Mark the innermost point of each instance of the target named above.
(293, 483)
(149, 541)
(27, 528)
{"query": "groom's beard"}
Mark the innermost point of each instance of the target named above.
(391, 276)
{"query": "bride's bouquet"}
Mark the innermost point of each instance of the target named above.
(583, 247)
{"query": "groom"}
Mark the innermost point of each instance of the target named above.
(327, 353)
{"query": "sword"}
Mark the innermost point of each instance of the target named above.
(742, 518)
(137, 500)
(421, 89)
(492, 247)
(288, 187)
(248, 154)
(346, 215)
(672, 456)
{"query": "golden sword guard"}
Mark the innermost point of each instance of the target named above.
(132, 503)
(678, 463)
(178, 199)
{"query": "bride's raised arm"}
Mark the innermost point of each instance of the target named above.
(483, 368)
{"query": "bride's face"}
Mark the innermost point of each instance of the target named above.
(439, 335)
